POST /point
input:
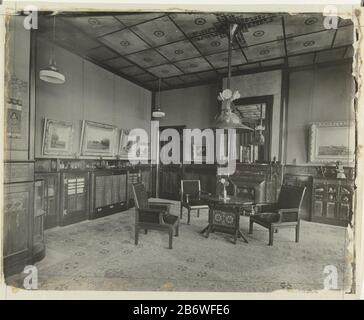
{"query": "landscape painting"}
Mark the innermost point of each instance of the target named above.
(57, 138)
(98, 139)
(332, 141)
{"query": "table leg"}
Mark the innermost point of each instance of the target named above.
(242, 236)
(204, 229)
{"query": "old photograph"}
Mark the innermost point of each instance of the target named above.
(182, 151)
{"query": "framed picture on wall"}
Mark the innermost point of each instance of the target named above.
(332, 141)
(124, 144)
(98, 139)
(57, 138)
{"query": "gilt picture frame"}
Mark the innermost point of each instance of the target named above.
(332, 141)
(98, 139)
(57, 138)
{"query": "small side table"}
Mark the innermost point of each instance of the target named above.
(224, 216)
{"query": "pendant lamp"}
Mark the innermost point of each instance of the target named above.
(158, 113)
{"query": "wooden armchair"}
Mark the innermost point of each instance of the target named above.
(152, 215)
(191, 197)
(283, 214)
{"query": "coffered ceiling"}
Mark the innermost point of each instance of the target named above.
(189, 48)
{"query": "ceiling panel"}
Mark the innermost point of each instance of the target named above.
(136, 18)
(225, 70)
(299, 24)
(180, 50)
(263, 33)
(154, 85)
(124, 42)
(101, 53)
(193, 65)
(344, 36)
(195, 24)
(158, 32)
(220, 60)
(249, 66)
(311, 42)
(330, 55)
(174, 81)
(188, 78)
(349, 52)
(265, 51)
(144, 77)
(301, 60)
(132, 70)
(210, 44)
(165, 71)
(117, 63)
(345, 22)
(207, 75)
(96, 25)
(147, 58)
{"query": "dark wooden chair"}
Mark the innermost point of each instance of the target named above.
(191, 197)
(152, 215)
(283, 214)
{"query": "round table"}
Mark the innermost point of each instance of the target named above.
(226, 221)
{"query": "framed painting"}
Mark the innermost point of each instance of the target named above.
(332, 141)
(124, 144)
(57, 138)
(98, 139)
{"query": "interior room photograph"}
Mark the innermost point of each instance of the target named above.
(86, 217)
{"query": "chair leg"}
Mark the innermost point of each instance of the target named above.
(235, 236)
(170, 237)
(189, 216)
(298, 231)
(177, 230)
(146, 231)
(251, 226)
(198, 213)
(209, 229)
(271, 232)
(136, 235)
(180, 215)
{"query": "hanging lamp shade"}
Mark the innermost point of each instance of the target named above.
(227, 119)
(51, 74)
(158, 113)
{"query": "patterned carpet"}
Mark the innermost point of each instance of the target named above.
(101, 255)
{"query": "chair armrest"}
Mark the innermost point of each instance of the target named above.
(288, 215)
(160, 206)
(150, 216)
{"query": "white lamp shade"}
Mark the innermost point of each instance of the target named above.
(52, 75)
(158, 114)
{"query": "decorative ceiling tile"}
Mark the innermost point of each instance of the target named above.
(211, 43)
(301, 60)
(265, 51)
(137, 18)
(330, 55)
(225, 70)
(302, 24)
(132, 70)
(193, 65)
(190, 78)
(117, 63)
(344, 36)
(180, 50)
(154, 85)
(310, 42)
(174, 81)
(274, 62)
(269, 31)
(207, 75)
(165, 71)
(158, 32)
(144, 77)
(220, 60)
(345, 22)
(101, 53)
(195, 24)
(96, 25)
(124, 42)
(147, 58)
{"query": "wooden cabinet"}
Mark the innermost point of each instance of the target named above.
(332, 201)
(73, 197)
(18, 218)
(146, 179)
(51, 198)
(108, 192)
(170, 181)
(38, 251)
